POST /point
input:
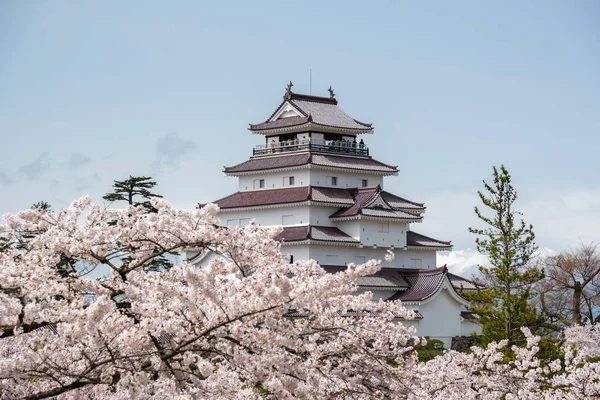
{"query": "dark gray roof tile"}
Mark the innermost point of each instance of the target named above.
(318, 110)
(416, 239)
(317, 233)
(295, 160)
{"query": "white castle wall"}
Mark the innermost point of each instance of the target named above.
(345, 180)
(442, 318)
(268, 217)
(347, 254)
(382, 234)
(319, 215)
(274, 180)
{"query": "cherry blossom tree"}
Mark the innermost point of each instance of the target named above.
(222, 331)
(484, 373)
(227, 331)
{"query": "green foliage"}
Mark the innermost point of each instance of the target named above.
(135, 190)
(432, 349)
(503, 304)
(131, 187)
(44, 206)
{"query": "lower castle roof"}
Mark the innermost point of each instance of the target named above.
(292, 234)
(322, 160)
(411, 285)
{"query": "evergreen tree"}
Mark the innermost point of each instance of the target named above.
(503, 303)
(42, 205)
(135, 190)
(134, 186)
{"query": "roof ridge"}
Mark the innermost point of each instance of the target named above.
(404, 199)
(423, 271)
(430, 238)
(362, 123)
(307, 97)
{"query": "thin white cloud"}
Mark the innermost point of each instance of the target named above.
(561, 218)
(77, 160)
(5, 179)
(170, 149)
(462, 262)
(35, 169)
(564, 218)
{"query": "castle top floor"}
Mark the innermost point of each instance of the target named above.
(310, 123)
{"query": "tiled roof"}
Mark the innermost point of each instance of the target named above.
(317, 233)
(357, 199)
(362, 163)
(265, 197)
(384, 279)
(295, 160)
(331, 195)
(383, 213)
(369, 201)
(280, 123)
(416, 239)
(424, 283)
(410, 284)
(315, 109)
(254, 198)
(362, 198)
(468, 315)
(400, 202)
(265, 163)
(461, 283)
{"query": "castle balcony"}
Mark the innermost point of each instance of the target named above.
(329, 146)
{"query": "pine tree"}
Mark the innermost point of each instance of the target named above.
(503, 305)
(134, 186)
(129, 190)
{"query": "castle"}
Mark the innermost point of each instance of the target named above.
(314, 175)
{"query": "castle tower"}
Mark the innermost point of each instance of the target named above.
(314, 174)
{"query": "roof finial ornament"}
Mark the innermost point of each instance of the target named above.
(331, 93)
(288, 91)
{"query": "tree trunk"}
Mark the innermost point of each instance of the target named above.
(577, 291)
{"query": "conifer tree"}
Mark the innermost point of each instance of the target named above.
(503, 304)
(131, 187)
(135, 190)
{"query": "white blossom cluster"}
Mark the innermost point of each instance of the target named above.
(225, 331)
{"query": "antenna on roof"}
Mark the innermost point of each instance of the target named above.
(310, 83)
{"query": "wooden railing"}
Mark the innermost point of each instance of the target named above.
(295, 145)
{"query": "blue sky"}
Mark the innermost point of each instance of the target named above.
(96, 91)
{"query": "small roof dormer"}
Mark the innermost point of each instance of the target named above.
(303, 113)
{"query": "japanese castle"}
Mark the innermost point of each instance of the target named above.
(314, 175)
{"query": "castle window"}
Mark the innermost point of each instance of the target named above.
(365, 182)
(259, 183)
(383, 227)
(332, 180)
(288, 181)
(244, 221)
(416, 262)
